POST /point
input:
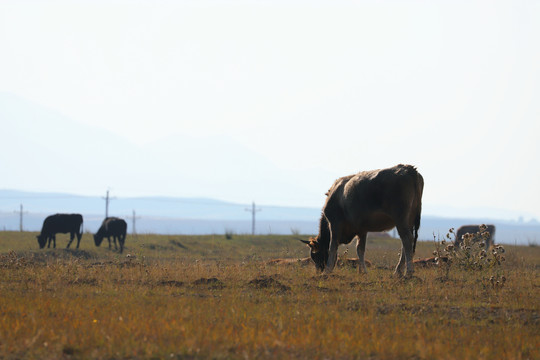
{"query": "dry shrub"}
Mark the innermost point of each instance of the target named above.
(470, 255)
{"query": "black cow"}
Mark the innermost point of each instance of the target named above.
(60, 223)
(374, 200)
(115, 227)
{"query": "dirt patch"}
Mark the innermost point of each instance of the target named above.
(303, 261)
(174, 283)
(361, 284)
(430, 261)
(524, 316)
(44, 256)
(177, 244)
(352, 262)
(212, 283)
(90, 281)
(70, 351)
(268, 282)
(328, 277)
(156, 247)
(412, 310)
(319, 288)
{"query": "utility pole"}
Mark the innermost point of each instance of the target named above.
(21, 213)
(134, 219)
(107, 199)
(253, 210)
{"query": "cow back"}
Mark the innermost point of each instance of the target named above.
(62, 223)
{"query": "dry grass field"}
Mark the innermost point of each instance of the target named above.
(191, 297)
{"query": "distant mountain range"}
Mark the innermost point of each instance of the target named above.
(169, 215)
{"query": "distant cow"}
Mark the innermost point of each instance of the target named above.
(60, 223)
(115, 227)
(374, 200)
(473, 229)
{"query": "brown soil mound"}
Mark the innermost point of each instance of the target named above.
(268, 282)
(213, 282)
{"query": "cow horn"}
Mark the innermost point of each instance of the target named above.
(305, 241)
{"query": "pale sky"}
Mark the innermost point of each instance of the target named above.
(270, 101)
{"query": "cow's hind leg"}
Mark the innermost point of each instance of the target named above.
(79, 236)
(407, 241)
(401, 264)
(360, 250)
(71, 237)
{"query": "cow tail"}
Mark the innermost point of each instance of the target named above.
(416, 227)
(419, 190)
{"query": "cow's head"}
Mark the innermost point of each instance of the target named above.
(42, 241)
(318, 254)
(98, 239)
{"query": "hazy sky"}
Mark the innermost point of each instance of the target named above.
(272, 100)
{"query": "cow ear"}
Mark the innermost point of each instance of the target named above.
(314, 245)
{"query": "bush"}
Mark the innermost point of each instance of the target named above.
(470, 255)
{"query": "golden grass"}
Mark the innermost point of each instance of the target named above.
(220, 299)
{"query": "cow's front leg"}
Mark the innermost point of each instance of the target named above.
(332, 257)
(115, 245)
(54, 240)
(335, 234)
(109, 240)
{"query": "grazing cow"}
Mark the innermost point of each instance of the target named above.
(473, 229)
(60, 223)
(374, 200)
(115, 227)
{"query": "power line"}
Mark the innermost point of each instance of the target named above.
(253, 211)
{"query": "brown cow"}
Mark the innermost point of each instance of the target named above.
(473, 229)
(374, 200)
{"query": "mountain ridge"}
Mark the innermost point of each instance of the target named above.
(199, 215)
